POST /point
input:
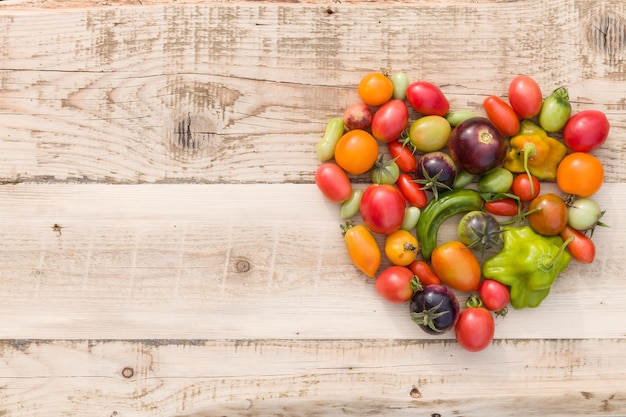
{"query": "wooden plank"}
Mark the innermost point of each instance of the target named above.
(241, 92)
(311, 378)
(230, 261)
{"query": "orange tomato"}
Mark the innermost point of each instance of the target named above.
(356, 152)
(456, 265)
(375, 89)
(580, 173)
(401, 247)
(362, 248)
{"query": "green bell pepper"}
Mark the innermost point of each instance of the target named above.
(528, 263)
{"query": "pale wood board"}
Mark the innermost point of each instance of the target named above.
(165, 252)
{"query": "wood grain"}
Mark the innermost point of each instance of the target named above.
(165, 252)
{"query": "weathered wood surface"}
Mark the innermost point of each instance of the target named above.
(164, 251)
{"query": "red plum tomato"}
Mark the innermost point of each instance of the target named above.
(390, 120)
(501, 115)
(427, 99)
(333, 182)
(525, 96)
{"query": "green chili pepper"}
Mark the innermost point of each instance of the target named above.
(528, 264)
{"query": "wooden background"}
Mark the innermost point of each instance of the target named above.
(165, 252)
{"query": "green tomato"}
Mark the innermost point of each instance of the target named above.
(411, 216)
(400, 83)
(583, 214)
(385, 172)
(351, 206)
(462, 179)
(455, 117)
(496, 181)
(555, 110)
(429, 133)
(326, 146)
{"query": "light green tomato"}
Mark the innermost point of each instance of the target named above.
(351, 206)
(400, 83)
(429, 133)
(385, 173)
(411, 216)
(584, 214)
(326, 146)
(455, 117)
(498, 180)
(463, 179)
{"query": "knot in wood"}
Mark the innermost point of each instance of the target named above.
(415, 393)
(607, 33)
(128, 372)
(242, 265)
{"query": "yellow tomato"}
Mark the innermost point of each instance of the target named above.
(401, 247)
(362, 248)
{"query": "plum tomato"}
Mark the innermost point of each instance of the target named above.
(382, 208)
(526, 187)
(586, 131)
(362, 248)
(475, 327)
(501, 115)
(525, 96)
(396, 284)
(505, 206)
(456, 265)
(403, 154)
(375, 89)
(429, 133)
(357, 116)
(547, 214)
(424, 273)
(333, 182)
(412, 191)
(426, 98)
(581, 247)
(356, 152)
(494, 295)
(580, 174)
(401, 247)
(390, 120)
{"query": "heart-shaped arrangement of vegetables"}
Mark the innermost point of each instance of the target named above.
(428, 163)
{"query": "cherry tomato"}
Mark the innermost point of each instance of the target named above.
(547, 214)
(501, 115)
(396, 284)
(401, 247)
(356, 152)
(375, 89)
(390, 120)
(427, 99)
(403, 154)
(526, 188)
(494, 295)
(400, 82)
(525, 96)
(456, 266)
(475, 328)
(506, 206)
(586, 131)
(385, 172)
(429, 133)
(584, 214)
(412, 191)
(411, 216)
(581, 247)
(580, 173)
(333, 182)
(382, 208)
(357, 116)
(362, 248)
(424, 273)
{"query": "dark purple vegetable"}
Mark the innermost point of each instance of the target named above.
(436, 171)
(477, 146)
(434, 308)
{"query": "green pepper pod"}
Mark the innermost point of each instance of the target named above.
(437, 211)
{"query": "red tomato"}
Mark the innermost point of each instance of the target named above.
(475, 329)
(412, 191)
(395, 284)
(525, 96)
(548, 214)
(456, 266)
(427, 99)
(390, 120)
(424, 273)
(581, 247)
(501, 115)
(521, 187)
(494, 295)
(586, 131)
(333, 182)
(382, 208)
(403, 155)
(506, 206)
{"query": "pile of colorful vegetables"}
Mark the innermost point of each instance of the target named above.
(428, 163)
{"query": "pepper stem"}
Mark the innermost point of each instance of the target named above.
(529, 150)
(548, 264)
